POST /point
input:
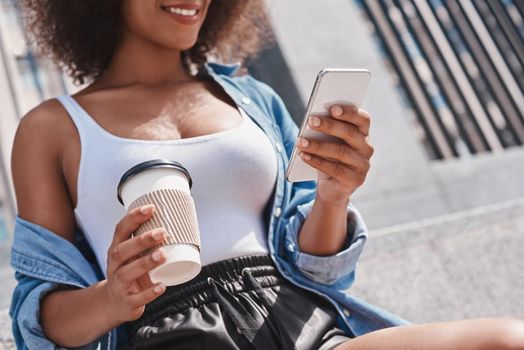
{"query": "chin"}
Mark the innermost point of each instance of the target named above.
(179, 44)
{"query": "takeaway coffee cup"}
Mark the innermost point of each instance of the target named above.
(166, 184)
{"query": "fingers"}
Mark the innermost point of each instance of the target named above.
(128, 273)
(131, 222)
(347, 177)
(120, 253)
(348, 123)
(136, 302)
(349, 133)
(144, 281)
(352, 114)
(335, 151)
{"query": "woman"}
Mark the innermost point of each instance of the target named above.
(276, 259)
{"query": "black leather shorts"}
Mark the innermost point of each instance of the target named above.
(240, 303)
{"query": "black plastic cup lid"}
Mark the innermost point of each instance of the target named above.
(155, 163)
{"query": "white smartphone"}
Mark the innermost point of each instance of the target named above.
(332, 86)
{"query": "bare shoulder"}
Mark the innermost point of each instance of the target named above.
(46, 114)
(43, 132)
(40, 188)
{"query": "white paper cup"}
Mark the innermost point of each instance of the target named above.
(166, 184)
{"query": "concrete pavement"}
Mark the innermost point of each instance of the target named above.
(464, 265)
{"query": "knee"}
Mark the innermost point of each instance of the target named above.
(509, 335)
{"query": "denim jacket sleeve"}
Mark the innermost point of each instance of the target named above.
(27, 295)
(335, 269)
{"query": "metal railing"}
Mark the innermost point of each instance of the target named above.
(461, 66)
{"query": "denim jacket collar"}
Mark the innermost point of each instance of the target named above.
(223, 69)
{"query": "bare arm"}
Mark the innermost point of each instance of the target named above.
(73, 318)
(41, 192)
(325, 229)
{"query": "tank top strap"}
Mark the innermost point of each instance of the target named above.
(75, 111)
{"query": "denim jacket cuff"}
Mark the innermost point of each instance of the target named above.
(332, 268)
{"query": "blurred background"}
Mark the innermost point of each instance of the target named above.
(444, 199)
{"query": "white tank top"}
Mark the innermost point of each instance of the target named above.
(233, 171)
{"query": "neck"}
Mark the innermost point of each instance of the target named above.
(141, 62)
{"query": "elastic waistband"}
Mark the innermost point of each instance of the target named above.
(227, 273)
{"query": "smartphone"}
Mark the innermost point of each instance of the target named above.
(332, 86)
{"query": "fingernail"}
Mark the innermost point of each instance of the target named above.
(302, 142)
(336, 111)
(314, 121)
(158, 234)
(305, 156)
(159, 287)
(158, 255)
(147, 209)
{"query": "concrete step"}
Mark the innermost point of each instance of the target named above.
(6, 338)
(463, 265)
(8, 283)
(6, 275)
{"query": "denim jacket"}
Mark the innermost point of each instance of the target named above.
(44, 261)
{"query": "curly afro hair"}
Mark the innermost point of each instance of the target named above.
(234, 30)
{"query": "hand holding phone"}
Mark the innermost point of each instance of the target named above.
(333, 86)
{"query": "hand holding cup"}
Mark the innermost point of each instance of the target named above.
(128, 287)
(166, 184)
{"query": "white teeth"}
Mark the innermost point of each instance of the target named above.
(182, 12)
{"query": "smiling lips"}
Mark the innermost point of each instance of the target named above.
(183, 13)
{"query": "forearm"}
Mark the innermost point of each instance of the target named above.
(73, 318)
(324, 230)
